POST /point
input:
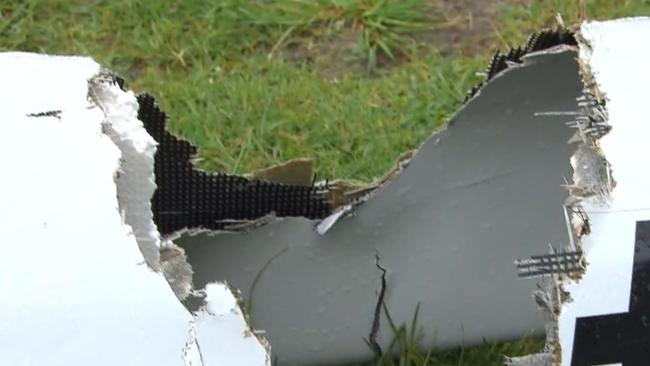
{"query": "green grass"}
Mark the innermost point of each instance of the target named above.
(351, 83)
(406, 345)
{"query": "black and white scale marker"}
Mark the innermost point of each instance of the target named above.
(623, 337)
(607, 320)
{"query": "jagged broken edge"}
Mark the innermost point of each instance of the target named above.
(536, 42)
(189, 198)
(173, 262)
(592, 180)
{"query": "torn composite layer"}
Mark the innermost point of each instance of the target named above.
(218, 324)
(134, 178)
(607, 321)
(487, 190)
(77, 290)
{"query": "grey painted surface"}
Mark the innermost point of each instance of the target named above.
(477, 196)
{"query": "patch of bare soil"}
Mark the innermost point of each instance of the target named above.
(332, 56)
(459, 27)
(468, 26)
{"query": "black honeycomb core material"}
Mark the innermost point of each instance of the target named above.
(189, 198)
(536, 42)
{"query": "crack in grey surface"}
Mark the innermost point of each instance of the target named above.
(449, 249)
(249, 305)
(372, 337)
(489, 179)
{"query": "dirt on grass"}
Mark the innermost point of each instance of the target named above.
(331, 56)
(470, 25)
(461, 28)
